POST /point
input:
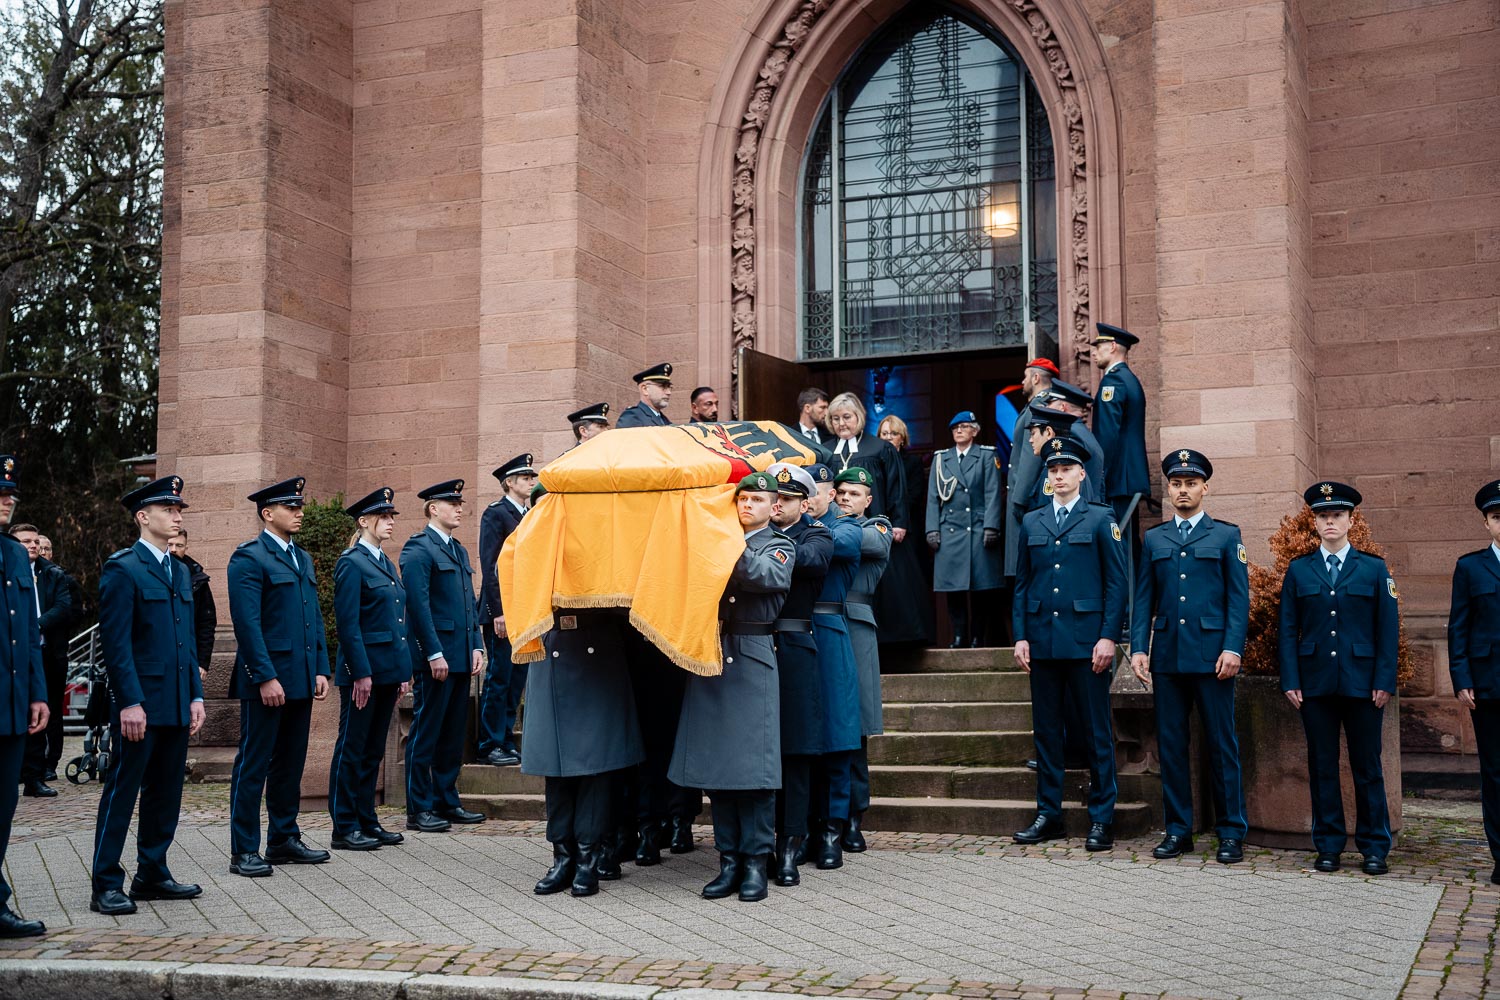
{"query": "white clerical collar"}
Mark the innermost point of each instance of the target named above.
(446, 538)
(373, 549)
(1342, 554)
(283, 545)
(853, 444)
(1192, 521)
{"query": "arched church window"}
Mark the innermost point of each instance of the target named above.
(928, 210)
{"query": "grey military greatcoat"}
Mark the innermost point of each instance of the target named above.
(874, 556)
(1025, 470)
(963, 499)
(729, 732)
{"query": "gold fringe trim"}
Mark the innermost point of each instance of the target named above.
(699, 667)
(591, 601)
(702, 668)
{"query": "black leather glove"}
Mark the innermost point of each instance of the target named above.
(991, 537)
(934, 540)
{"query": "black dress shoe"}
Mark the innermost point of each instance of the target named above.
(854, 838)
(608, 865)
(356, 841)
(427, 822)
(36, 788)
(461, 815)
(728, 880)
(1040, 829)
(1031, 764)
(682, 835)
(1495, 875)
(164, 890)
(586, 871)
(753, 886)
(976, 643)
(830, 845)
(560, 875)
(386, 837)
(1101, 837)
(1374, 864)
(112, 903)
(250, 865)
(12, 926)
(294, 852)
(51, 775)
(648, 851)
(1172, 846)
(786, 860)
(959, 642)
(1327, 863)
(502, 758)
(1231, 852)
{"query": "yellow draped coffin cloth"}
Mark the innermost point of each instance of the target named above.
(639, 518)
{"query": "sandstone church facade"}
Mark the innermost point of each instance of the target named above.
(404, 237)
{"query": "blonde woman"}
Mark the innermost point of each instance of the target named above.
(902, 607)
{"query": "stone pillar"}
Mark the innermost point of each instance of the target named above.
(1232, 253)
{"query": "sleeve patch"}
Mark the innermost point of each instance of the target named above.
(1390, 587)
(1114, 529)
(1239, 550)
(880, 528)
(779, 556)
(1107, 394)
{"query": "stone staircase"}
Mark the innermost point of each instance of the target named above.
(952, 759)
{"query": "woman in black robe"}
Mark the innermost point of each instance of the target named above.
(910, 568)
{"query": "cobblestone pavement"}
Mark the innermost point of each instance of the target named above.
(919, 915)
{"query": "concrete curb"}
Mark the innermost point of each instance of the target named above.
(84, 979)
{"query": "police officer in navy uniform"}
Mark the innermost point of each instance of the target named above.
(374, 667)
(589, 421)
(281, 668)
(1068, 398)
(1338, 638)
(23, 683)
(1474, 657)
(156, 702)
(729, 733)
(1047, 422)
(964, 515)
(504, 681)
(1070, 602)
(1193, 593)
(1120, 421)
(655, 384)
(446, 647)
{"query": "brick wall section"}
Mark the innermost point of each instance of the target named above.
(1235, 362)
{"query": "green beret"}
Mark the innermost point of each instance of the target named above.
(757, 482)
(537, 492)
(855, 474)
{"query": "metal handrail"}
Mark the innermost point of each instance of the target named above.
(84, 651)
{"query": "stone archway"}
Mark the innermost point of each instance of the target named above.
(765, 107)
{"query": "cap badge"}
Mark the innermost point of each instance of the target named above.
(783, 476)
(1056, 445)
(604, 409)
(10, 464)
(667, 369)
(1326, 489)
(459, 486)
(386, 493)
(528, 459)
(1182, 456)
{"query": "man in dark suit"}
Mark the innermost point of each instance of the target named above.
(205, 612)
(156, 696)
(963, 527)
(23, 684)
(1474, 657)
(446, 648)
(1070, 602)
(655, 385)
(281, 667)
(811, 427)
(57, 609)
(1193, 592)
(704, 405)
(1120, 422)
(1338, 638)
(504, 681)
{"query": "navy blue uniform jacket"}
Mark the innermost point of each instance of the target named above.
(1338, 639)
(641, 415)
(1071, 589)
(22, 680)
(440, 596)
(1120, 426)
(1474, 624)
(369, 611)
(277, 622)
(1193, 599)
(495, 526)
(146, 629)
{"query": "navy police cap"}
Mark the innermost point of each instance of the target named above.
(167, 490)
(656, 373)
(1068, 393)
(598, 412)
(1187, 462)
(378, 502)
(820, 473)
(8, 481)
(963, 417)
(288, 493)
(1488, 497)
(1329, 495)
(1108, 333)
(448, 489)
(1065, 449)
(518, 466)
(1044, 416)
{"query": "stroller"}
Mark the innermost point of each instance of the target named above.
(98, 749)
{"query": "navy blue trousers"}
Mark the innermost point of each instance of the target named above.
(1486, 717)
(859, 778)
(435, 745)
(1050, 682)
(1176, 694)
(151, 768)
(744, 821)
(1322, 717)
(12, 751)
(273, 752)
(838, 773)
(795, 794)
(504, 683)
(356, 758)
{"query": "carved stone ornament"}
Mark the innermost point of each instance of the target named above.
(742, 271)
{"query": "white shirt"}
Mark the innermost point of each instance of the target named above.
(751, 534)
(520, 507)
(443, 535)
(809, 431)
(961, 452)
(1342, 554)
(1112, 368)
(374, 550)
(1191, 521)
(1066, 506)
(1495, 549)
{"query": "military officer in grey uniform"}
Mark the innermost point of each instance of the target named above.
(1338, 642)
(729, 732)
(1070, 601)
(580, 725)
(963, 527)
(655, 384)
(1193, 592)
(854, 492)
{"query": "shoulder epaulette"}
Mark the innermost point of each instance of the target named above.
(1365, 552)
(246, 545)
(818, 523)
(113, 556)
(781, 534)
(1163, 524)
(879, 519)
(1227, 524)
(419, 534)
(495, 503)
(986, 447)
(1105, 506)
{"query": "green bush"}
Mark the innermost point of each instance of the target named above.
(325, 534)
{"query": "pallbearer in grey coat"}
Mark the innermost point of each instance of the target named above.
(852, 493)
(963, 527)
(580, 725)
(729, 733)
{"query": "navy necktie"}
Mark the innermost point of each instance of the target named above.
(1333, 569)
(1184, 528)
(1062, 515)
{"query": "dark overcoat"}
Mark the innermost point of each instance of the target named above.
(864, 640)
(580, 708)
(963, 499)
(801, 680)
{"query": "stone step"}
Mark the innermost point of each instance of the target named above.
(956, 687)
(995, 783)
(951, 717)
(483, 779)
(944, 661)
(992, 817)
(978, 748)
(514, 806)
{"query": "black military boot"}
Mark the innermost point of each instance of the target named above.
(608, 864)
(560, 875)
(730, 873)
(649, 851)
(753, 886)
(830, 850)
(787, 849)
(854, 838)
(586, 871)
(682, 834)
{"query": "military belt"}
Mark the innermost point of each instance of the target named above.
(793, 625)
(828, 608)
(747, 628)
(859, 597)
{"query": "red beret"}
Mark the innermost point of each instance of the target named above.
(1045, 365)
